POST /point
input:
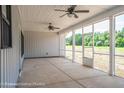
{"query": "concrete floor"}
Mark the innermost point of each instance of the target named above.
(62, 73)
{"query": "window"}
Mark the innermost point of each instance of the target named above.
(119, 45)
(5, 21)
(22, 44)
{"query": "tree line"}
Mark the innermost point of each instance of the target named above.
(100, 39)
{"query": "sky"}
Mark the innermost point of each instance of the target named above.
(101, 26)
(119, 22)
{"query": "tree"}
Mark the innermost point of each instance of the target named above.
(100, 39)
(69, 40)
(120, 38)
(78, 39)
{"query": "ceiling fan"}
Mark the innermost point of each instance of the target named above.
(71, 11)
(51, 27)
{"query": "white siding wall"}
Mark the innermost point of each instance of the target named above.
(10, 58)
(38, 44)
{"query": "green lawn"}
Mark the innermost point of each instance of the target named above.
(118, 49)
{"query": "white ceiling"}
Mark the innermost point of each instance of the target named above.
(36, 18)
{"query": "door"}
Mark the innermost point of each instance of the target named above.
(88, 46)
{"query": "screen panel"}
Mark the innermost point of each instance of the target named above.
(101, 45)
(101, 62)
(68, 41)
(88, 46)
(69, 54)
(78, 39)
(101, 37)
(88, 38)
(78, 46)
(119, 45)
(78, 57)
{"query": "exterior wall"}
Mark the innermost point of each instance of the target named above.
(11, 57)
(38, 44)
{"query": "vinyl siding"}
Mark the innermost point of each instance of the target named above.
(11, 58)
(38, 44)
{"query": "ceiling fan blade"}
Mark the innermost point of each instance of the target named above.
(81, 11)
(37, 22)
(60, 10)
(56, 28)
(75, 15)
(63, 15)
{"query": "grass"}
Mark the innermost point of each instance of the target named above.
(101, 61)
(118, 50)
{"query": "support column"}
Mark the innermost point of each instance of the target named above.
(64, 46)
(112, 46)
(73, 46)
(93, 45)
(82, 45)
(59, 44)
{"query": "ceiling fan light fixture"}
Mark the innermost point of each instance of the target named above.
(50, 30)
(70, 15)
